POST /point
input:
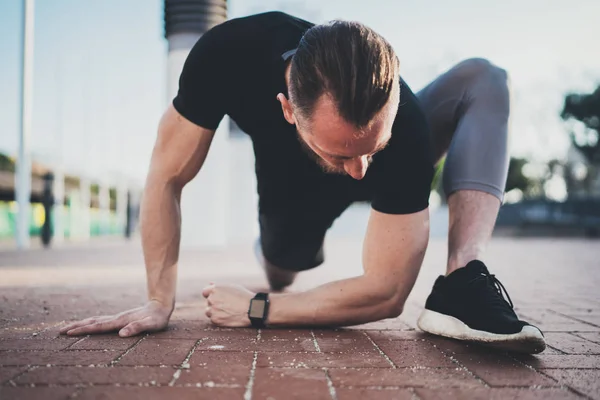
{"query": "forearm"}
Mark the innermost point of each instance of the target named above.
(341, 303)
(161, 232)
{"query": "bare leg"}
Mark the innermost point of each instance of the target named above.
(278, 278)
(472, 218)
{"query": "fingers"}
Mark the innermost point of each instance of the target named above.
(98, 327)
(139, 326)
(208, 290)
(80, 323)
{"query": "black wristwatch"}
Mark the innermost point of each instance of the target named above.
(258, 310)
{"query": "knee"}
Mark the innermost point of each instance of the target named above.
(478, 69)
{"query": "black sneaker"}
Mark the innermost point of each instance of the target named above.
(468, 305)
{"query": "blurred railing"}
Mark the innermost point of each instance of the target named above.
(576, 215)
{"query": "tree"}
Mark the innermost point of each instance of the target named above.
(516, 179)
(586, 109)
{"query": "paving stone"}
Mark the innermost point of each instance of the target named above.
(66, 357)
(572, 344)
(593, 319)
(451, 346)
(591, 336)
(233, 341)
(102, 342)
(373, 394)
(36, 393)
(384, 336)
(359, 344)
(496, 394)
(404, 377)
(158, 352)
(291, 384)
(183, 329)
(371, 359)
(550, 320)
(213, 358)
(97, 375)
(287, 334)
(160, 393)
(7, 373)
(215, 375)
(541, 361)
(585, 381)
(386, 324)
(230, 368)
(36, 344)
(405, 353)
(500, 370)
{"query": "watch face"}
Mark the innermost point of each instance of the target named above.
(257, 309)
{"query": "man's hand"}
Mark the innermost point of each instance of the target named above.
(228, 305)
(151, 317)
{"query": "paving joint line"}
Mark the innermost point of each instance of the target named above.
(467, 370)
(389, 360)
(413, 394)
(184, 364)
(250, 384)
(574, 318)
(36, 333)
(315, 341)
(565, 386)
(11, 382)
(133, 346)
(330, 386)
(581, 337)
(77, 341)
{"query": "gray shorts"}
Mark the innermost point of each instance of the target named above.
(468, 111)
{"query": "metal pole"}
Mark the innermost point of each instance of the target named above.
(23, 165)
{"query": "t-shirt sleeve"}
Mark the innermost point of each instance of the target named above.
(404, 185)
(206, 78)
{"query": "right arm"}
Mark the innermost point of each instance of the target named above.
(179, 152)
(184, 136)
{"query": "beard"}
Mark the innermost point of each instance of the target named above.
(325, 166)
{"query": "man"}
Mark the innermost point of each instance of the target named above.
(333, 123)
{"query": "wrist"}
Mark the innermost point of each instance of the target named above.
(165, 305)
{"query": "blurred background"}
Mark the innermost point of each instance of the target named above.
(101, 74)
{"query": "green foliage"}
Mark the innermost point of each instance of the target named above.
(585, 108)
(516, 179)
(6, 163)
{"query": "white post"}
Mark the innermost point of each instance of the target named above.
(59, 172)
(104, 206)
(205, 200)
(122, 204)
(84, 223)
(23, 165)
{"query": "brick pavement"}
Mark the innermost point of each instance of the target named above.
(553, 283)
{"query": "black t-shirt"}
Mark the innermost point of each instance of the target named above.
(237, 69)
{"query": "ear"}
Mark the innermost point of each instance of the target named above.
(286, 107)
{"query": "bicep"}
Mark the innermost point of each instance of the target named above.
(180, 149)
(394, 249)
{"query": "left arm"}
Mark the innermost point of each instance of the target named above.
(394, 249)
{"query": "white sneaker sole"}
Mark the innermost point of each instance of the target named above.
(530, 340)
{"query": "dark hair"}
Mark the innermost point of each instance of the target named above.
(350, 62)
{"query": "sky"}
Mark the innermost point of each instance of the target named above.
(100, 67)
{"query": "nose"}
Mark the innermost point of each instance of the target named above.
(357, 167)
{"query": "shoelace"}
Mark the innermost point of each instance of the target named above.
(493, 281)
